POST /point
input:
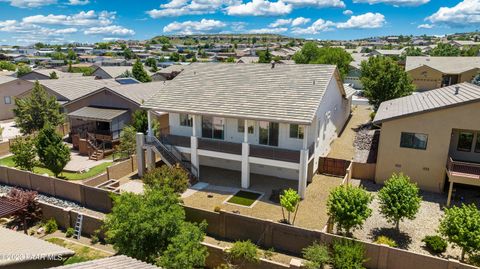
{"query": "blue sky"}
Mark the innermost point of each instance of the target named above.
(62, 21)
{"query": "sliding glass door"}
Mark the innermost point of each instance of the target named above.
(268, 133)
(213, 127)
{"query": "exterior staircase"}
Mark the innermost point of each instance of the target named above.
(173, 157)
(96, 151)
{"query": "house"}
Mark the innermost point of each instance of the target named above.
(464, 44)
(353, 76)
(98, 117)
(19, 251)
(44, 74)
(434, 72)
(109, 72)
(10, 88)
(273, 120)
(248, 60)
(433, 137)
(168, 73)
(390, 53)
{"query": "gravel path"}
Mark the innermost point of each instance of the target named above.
(411, 231)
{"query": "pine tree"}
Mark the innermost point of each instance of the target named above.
(139, 72)
(51, 150)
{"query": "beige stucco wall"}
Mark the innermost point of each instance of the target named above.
(427, 167)
(427, 78)
(13, 88)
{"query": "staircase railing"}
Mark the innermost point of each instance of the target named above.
(173, 156)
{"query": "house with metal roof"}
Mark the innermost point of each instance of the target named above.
(433, 137)
(435, 72)
(267, 119)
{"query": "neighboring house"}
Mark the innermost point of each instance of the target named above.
(353, 76)
(433, 137)
(390, 53)
(118, 262)
(44, 74)
(248, 60)
(434, 72)
(168, 73)
(10, 88)
(108, 72)
(19, 250)
(464, 44)
(254, 118)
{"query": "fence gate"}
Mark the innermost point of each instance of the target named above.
(331, 166)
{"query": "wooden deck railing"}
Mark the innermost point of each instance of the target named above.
(220, 146)
(463, 167)
(275, 153)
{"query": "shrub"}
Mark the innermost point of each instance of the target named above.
(348, 254)
(244, 250)
(174, 177)
(24, 153)
(51, 226)
(217, 208)
(289, 201)
(94, 239)
(268, 254)
(384, 240)
(372, 115)
(69, 233)
(316, 255)
(435, 243)
(348, 207)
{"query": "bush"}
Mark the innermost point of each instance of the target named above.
(316, 255)
(174, 177)
(217, 208)
(384, 240)
(94, 239)
(372, 115)
(69, 233)
(244, 250)
(348, 254)
(51, 226)
(435, 243)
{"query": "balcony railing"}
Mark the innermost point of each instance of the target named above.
(275, 153)
(220, 146)
(463, 168)
(177, 140)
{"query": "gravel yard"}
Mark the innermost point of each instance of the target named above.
(411, 231)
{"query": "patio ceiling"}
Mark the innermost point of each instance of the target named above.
(97, 113)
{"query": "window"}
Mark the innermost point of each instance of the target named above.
(186, 120)
(465, 140)
(268, 133)
(241, 126)
(296, 131)
(413, 141)
(7, 100)
(213, 127)
(477, 144)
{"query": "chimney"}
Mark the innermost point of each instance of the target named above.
(457, 89)
(273, 64)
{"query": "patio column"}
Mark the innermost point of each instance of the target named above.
(450, 189)
(245, 154)
(194, 159)
(140, 140)
(150, 159)
(303, 166)
(149, 119)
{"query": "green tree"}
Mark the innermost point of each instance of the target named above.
(71, 55)
(173, 177)
(24, 152)
(128, 54)
(445, 49)
(127, 140)
(399, 199)
(317, 256)
(5, 65)
(244, 251)
(151, 62)
(70, 67)
(289, 200)
(51, 150)
(411, 51)
(309, 53)
(143, 226)
(53, 75)
(349, 207)
(23, 70)
(383, 79)
(35, 110)
(58, 56)
(139, 72)
(348, 254)
(140, 120)
(461, 226)
(174, 57)
(264, 56)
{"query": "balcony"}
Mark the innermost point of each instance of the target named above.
(278, 154)
(463, 172)
(177, 140)
(220, 146)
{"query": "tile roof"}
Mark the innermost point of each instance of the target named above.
(72, 89)
(138, 93)
(114, 262)
(97, 113)
(427, 101)
(448, 65)
(60, 74)
(18, 244)
(117, 71)
(6, 79)
(285, 93)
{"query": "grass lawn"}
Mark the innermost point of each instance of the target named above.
(8, 161)
(82, 253)
(245, 198)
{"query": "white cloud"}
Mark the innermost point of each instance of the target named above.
(319, 25)
(89, 18)
(191, 27)
(347, 12)
(78, 2)
(30, 3)
(280, 22)
(176, 8)
(425, 26)
(259, 8)
(268, 31)
(365, 21)
(300, 21)
(464, 13)
(394, 2)
(111, 30)
(316, 3)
